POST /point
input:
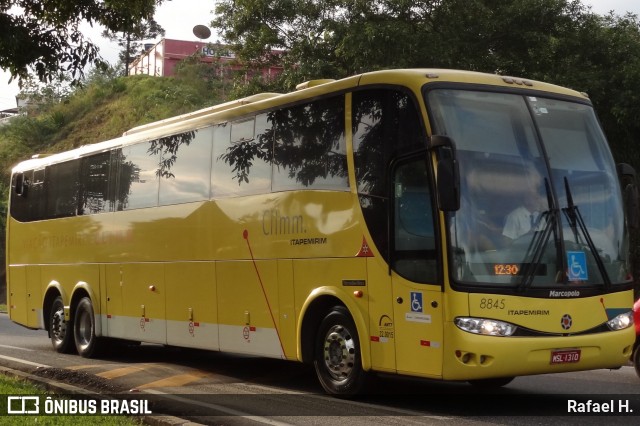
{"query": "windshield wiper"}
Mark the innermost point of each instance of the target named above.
(576, 221)
(539, 240)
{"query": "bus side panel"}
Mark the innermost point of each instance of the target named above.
(248, 305)
(102, 317)
(143, 302)
(34, 297)
(115, 320)
(341, 278)
(192, 314)
(17, 294)
(287, 321)
(381, 317)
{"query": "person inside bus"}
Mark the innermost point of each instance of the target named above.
(527, 216)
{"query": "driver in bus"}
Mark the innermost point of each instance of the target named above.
(526, 217)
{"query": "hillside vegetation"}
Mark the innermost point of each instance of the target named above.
(102, 109)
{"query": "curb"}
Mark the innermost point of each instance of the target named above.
(63, 388)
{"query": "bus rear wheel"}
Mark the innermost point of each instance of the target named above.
(337, 355)
(84, 329)
(59, 331)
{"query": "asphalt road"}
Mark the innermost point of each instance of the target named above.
(215, 388)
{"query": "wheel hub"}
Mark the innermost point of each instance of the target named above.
(339, 352)
(58, 324)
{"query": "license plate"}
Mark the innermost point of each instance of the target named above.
(565, 356)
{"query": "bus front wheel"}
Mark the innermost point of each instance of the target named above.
(84, 329)
(59, 331)
(337, 354)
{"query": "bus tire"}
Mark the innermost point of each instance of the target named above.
(337, 357)
(59, 330)
(84, 329)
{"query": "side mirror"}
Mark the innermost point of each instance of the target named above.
(630, 197)
(448, 179)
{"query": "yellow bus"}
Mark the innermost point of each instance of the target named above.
(432, 223)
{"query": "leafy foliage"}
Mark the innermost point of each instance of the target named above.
(558, 41)
(45, 36)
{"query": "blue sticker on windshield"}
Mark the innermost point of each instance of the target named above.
(577, 266)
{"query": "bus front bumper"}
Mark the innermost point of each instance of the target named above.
(470, 356)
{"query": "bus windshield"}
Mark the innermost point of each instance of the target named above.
(540, 204)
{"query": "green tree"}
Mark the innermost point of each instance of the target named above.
(559, 41)
(129, 37)
(44, 36)
(335, 38)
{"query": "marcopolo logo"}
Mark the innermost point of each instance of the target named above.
(564, 293)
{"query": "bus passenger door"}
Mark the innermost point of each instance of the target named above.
(417, 294)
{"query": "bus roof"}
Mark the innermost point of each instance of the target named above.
(412, 78)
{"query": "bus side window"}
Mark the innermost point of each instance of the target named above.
(61, 189)
(20, 185)
(414, 243)
(20, 196)
(242, 154)
(37, 198)
(185, 167)
(310, 149)
(94, 184)
(137, 177)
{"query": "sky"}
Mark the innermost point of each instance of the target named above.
(178, 17)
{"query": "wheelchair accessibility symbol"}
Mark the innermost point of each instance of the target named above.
(416, 301)
(577, 262)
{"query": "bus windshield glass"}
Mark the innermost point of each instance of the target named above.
(540, 204)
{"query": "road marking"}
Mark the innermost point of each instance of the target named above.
(83, 367)
(119, 372)
(226, 410)
(15, 347)
(22, 361)
(88, 366)
(178, 380)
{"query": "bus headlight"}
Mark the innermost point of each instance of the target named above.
(484, 326)
(621, 322)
